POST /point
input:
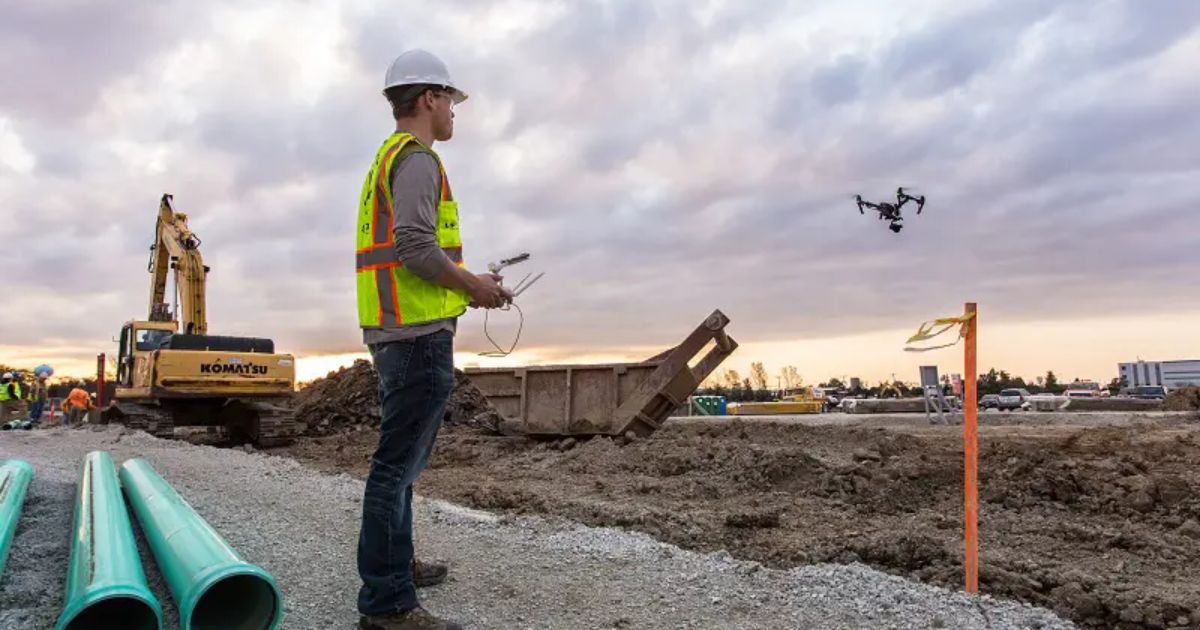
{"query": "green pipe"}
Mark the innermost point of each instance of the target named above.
(106, 587)
(15, 476)
(212, 585)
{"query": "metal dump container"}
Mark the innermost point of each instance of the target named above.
(605, 399)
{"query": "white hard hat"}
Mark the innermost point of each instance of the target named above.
(8, 375)
(419, 67)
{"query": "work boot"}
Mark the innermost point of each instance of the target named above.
(415, 619)
(428, 574)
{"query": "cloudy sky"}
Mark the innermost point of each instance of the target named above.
(658, 159)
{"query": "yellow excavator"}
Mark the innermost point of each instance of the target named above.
(174, 380)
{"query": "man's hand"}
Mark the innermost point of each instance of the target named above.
(486, 292)
(484, 289)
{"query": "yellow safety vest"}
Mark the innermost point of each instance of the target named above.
(16, 391)
(4, 392)
(389, 294)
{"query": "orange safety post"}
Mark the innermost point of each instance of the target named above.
(967, 325)
(971, 454)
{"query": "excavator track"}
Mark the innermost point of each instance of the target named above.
(231, 422)
(149, 418)
(276, 425)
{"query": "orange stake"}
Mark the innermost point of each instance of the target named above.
(971, 457)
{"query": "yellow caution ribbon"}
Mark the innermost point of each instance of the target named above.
(931, 329)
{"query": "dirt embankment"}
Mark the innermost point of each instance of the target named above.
(1183, 399)
(1100, 524)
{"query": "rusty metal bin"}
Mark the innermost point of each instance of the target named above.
(605, 399)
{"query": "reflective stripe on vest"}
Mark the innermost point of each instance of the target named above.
(389, 294)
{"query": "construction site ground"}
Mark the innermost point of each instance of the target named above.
(1093, 515)
(508, 572)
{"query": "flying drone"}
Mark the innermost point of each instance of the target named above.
(891, 211)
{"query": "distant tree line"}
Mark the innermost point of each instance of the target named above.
(757, 386)
(994, 380)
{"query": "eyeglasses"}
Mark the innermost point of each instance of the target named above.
(449, 96)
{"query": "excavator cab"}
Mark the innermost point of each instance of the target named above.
(125, 356)
(138, 340)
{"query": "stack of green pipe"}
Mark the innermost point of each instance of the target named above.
(15, 476)
(214, 588)
(106, 587)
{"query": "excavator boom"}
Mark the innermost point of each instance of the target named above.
(177, 249)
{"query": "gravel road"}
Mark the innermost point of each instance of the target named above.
(510, 573)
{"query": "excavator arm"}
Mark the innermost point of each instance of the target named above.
(177, 249)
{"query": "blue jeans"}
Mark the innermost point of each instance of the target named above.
(35, 410)
(415, 379)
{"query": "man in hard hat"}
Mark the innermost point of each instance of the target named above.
(77, 404)
(412, 287)
(13, 398)
(37, 398)
(6, 395)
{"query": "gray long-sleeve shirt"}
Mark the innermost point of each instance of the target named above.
(416, 184)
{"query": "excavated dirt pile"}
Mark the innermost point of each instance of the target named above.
(1183, 399)
(347, 399)
(1101, 524)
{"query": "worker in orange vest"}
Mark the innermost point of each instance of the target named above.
(77, 404)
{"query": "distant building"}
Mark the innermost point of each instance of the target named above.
(1169, 374)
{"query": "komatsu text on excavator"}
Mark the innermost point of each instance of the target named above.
(176, 380)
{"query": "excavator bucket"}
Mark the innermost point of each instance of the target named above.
(608, 399)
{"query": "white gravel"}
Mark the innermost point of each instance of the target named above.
(510, 573)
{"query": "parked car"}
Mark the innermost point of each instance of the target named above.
(1014, 398)
(989, 401)
(832, 397)
(1146, 392)
(1085, 389)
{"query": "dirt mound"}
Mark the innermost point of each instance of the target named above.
(1098, 524)
(1183, 399)
(347, 399)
